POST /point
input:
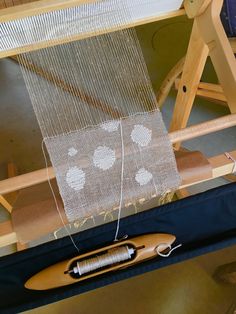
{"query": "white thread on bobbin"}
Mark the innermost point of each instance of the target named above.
(110, 258)
(164, 246)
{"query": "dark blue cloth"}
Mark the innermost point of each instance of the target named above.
(228, 17)
(202, 223)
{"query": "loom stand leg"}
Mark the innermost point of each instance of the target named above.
(194, 64)
(220, 50)
(7, 200)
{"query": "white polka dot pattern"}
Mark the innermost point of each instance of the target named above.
(110, 126)
(89, 164)
(104, 157)
(72, 151)
(75, 178)
(141, 135)
(143, 176)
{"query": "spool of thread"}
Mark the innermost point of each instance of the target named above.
(113, 256)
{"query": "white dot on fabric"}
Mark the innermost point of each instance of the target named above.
(143, 176)
(104, 157)
(110, 126)
(75, 178)
(72, 151)
(141, 135)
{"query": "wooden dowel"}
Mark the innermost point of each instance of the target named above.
(40, 176)
(69, 88)
(203, 128)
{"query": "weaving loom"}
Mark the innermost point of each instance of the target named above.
(100, 120)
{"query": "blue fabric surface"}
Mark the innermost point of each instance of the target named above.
(202, 223)
(228, 17)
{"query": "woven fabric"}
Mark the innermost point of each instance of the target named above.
(88, 164)
(98, 114)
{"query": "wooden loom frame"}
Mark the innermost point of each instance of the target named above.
(204, 12)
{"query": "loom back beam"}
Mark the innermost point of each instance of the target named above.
(110, 258)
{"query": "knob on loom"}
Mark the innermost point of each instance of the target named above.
(110, 258)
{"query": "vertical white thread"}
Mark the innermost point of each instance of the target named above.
(55, 199)
(121, 181)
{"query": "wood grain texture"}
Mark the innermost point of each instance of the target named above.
(195, 7)
(7, 235)
(192, 71)
(212, 32)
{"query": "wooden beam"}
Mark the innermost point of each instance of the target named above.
(232, 42)
(71, 89)
(169, 81)
(182, 193)
(195, 7)
(25, 180)
(42, 175)
(7, 235)
(7, 200)
(203, 128)
(192, 71)
(209, 91)
(5, 204)
(50, 43)
(212, 32)
(221, 166)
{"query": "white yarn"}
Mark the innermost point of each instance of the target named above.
(121, 181)
(110, 258)
(55, 200)
(162, 246)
